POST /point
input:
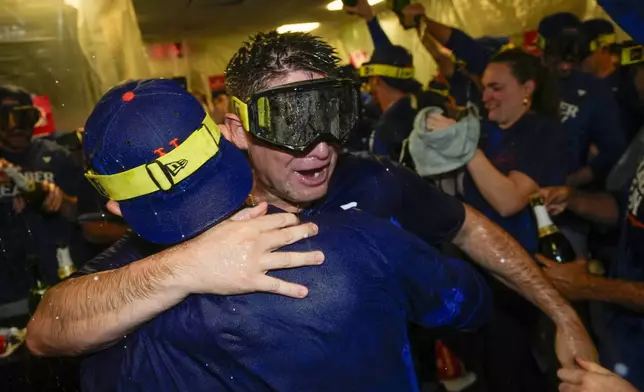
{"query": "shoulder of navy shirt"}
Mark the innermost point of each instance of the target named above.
(375, 278)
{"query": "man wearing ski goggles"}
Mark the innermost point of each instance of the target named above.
(297, 116)
(17, 122)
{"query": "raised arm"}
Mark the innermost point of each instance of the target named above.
(94, 311)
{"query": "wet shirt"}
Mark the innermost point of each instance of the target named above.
(534, 146)
(590, 116)
(32, 230)
(349, 333)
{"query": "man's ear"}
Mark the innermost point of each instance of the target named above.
(114, 208)
(233, 130)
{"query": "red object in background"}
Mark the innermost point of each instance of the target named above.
(45, 125)
(217, 82)
(358, 57)
(530, 42)
(162, 51)
(448, 366)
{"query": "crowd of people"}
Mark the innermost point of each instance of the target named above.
(317, 227)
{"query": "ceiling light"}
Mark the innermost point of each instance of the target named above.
(298, 27)
(337, 4)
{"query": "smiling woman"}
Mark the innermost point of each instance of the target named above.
(525, 144)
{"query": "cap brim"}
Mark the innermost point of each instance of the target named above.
(211, 194)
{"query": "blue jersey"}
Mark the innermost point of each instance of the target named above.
(534, 146)
(590, 115)
(622, 333)
(32, 230)
(349, 334)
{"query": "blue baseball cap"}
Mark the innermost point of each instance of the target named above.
(552, 25)
(131, 129)
(396, 56)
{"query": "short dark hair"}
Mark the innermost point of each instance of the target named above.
(268, 56)
(525, 67)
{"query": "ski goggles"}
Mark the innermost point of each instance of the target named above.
(18, 116)
(299, 115)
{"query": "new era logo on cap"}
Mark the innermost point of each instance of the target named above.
(175, 167)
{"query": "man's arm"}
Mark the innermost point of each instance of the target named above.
(596, 207)
(94, 311)
(496, 251)
(575, 282)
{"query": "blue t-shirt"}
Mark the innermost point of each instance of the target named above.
(534, 146)
(349, 334)
(32, 230)
(590, 115)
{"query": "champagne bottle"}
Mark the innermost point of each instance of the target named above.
(31, 191)
(66, 265)
(552, 243)
(38, 286)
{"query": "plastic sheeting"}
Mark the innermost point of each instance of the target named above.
(74, 53)
(70, 53)
(209, 56)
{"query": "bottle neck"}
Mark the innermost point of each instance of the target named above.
(544, 223)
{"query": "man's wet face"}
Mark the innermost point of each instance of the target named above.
(294, 178)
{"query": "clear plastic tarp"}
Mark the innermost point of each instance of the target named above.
(74, 50)
(69, 51)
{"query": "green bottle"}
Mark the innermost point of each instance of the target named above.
(38, 285)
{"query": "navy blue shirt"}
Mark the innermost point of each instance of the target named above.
(32, 230)
(534, 146)
(622, 340)
(590, 115)
(349, 334)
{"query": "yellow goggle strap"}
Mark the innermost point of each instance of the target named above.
(388, 71)
(632, 55)
(240, 108)
(541, 42)
(602, 41)
(166, 171)
(263, 112)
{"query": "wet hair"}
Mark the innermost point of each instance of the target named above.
(21, 95)
(269, 56)
(525, 67)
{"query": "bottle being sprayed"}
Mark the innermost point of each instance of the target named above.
(552, 243)
(66, 265)
(31, 191)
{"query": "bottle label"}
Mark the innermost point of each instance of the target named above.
(544, 223)
(64, 257)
